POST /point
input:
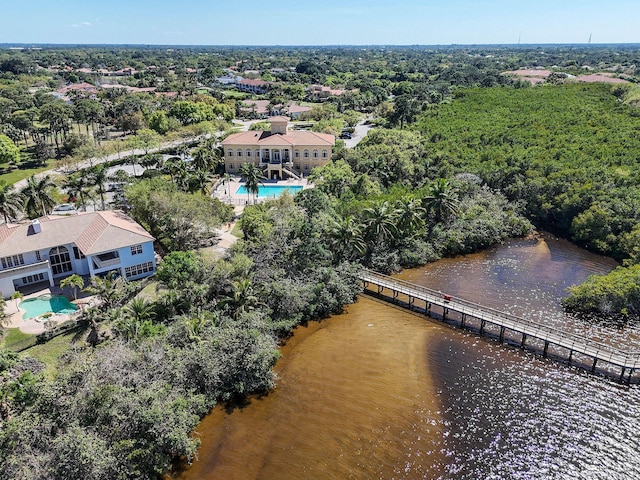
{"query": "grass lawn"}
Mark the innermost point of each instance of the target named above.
(19, 174)
(49, 353)
(13, 337)
(150, 292)
(236, 231)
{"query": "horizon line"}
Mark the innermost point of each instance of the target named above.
(379, 45)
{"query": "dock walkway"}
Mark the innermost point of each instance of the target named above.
(627, 363)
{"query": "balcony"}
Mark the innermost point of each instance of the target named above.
(23, 270)
(105, 260)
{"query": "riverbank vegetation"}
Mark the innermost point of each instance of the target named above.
(568, 154)
(463, 156)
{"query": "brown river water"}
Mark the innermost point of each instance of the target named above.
(379, 392)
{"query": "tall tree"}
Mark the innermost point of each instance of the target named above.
(8, 150)
(76, 185)
(253, 177)
(346, 238)
(10, 202)
(57, 115)
(75, 282)
(442, 200)
(99, 177)
(380, 222)
(37, 195)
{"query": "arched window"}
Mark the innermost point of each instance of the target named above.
(60, 260)
(257, 153)
(315, 154)
(306, 154)
(239, 152)
(248, 152)
(229, 153)
(324, 154)
(297, 154)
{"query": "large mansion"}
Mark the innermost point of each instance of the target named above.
(53, 247)
(279, 152)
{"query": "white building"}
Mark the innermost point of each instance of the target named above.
(54, 247)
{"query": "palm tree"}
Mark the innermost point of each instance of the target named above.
(99, 179)
(207, 156)
(10, 202)
(253, 177)
(410, 216)
(243, 298)
(110, 290)
(346, 238)
(37, 195)
(380, 222)
(201, 181)
(176, 168)
(76, 185)
(442, 200)
(140, 310)
(74, 281)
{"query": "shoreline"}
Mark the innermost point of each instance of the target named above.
(313, 425)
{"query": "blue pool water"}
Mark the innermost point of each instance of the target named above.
(34, 307)
(271, 191)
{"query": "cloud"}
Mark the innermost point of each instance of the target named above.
(80, 25)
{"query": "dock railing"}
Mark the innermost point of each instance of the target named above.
(528, 328)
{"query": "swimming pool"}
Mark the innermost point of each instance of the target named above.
(271, 191)
(34, 307)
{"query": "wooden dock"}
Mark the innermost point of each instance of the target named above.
(469, 314)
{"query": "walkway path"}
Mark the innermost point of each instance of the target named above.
(116, 156)
(527, 330)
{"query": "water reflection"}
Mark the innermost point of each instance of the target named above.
(381, 393)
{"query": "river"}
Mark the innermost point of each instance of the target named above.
(382, 393)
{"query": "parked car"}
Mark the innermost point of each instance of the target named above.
(345, 135)
(64, 209)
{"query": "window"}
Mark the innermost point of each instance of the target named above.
(38, 257)
(59, 260)
(77, 254)
(315, 154)
(248, 152)
(324, 154)
(257, 153)
(231, 166)
(136, 270)
(239, 152)
(306, 154)
(136, 249)
(38, 277)
(12, 261)
(229, 153)
(306, 167)
(297, 154)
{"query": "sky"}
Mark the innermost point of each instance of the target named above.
(330, 22)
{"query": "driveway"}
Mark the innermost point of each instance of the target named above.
(361, 130)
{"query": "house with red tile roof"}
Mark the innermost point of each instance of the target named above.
(52, 248)
(260, 109)
(280, 153)
(252, 86)
(83, 87)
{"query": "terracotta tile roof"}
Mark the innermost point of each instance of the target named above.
(6, 230)
(290, 138)
(249, 81)
(599, 77)
(92, 232)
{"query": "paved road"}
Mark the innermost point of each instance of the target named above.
(115, 156)
(361, 131)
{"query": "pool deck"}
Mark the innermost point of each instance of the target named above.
(227, 193)
(36, 326)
